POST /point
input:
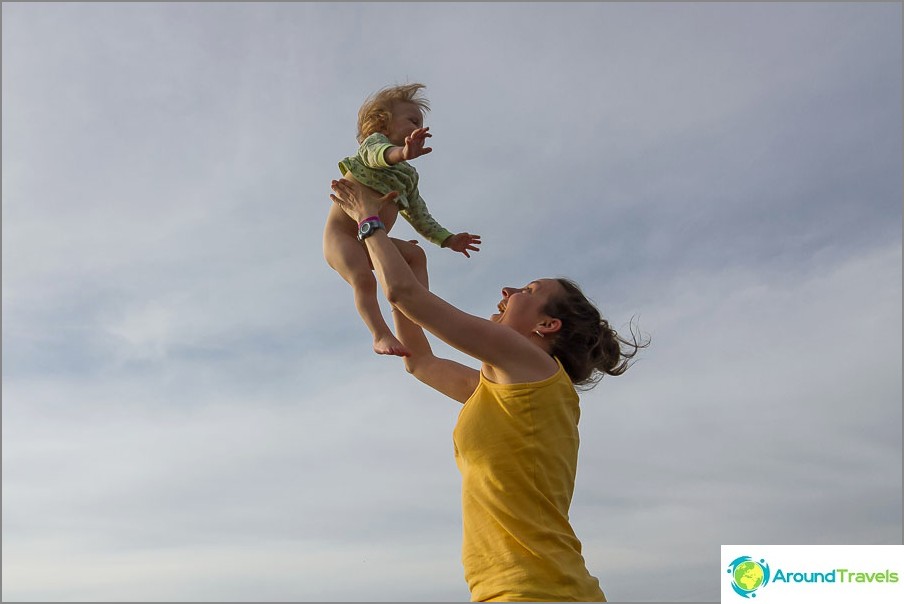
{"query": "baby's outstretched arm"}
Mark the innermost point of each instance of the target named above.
(414, 147)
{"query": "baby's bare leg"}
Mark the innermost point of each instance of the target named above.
(345, 254)
(416, 259)
(411, 335)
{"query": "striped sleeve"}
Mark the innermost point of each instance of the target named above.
(372, 151)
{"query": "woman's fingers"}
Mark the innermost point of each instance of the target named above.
(342, 183)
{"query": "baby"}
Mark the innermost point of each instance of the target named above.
(391, 132)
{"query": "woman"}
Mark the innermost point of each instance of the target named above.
(516, 440)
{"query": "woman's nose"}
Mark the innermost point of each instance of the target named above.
(507, 291)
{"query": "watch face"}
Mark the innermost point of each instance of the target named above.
(369, 228)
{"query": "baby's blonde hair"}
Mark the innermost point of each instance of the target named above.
(376, 112)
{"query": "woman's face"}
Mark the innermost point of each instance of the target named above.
(521, 308)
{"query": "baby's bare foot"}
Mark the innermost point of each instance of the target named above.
(388, 344)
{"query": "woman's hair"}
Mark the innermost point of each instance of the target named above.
(585, 344)
(376, 112)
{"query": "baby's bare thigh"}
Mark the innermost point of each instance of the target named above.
(345, 254)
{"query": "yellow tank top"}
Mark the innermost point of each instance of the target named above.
(516, 446)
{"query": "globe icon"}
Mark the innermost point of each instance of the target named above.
(748, 575)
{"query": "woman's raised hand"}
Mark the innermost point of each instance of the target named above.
(357, 200)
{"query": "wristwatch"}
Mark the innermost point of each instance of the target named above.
(369, 227)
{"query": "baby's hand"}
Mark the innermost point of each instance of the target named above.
(414, 144)
(462, 242)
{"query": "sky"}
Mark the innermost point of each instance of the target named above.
(191, 409)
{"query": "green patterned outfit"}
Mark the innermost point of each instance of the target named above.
(370, 168)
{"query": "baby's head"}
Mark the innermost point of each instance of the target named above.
(376, 113)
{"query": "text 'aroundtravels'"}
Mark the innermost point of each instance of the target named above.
(838, 575)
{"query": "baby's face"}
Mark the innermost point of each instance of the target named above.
(406, 118)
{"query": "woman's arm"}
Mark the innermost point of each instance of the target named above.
(455, 380)
(512, 356)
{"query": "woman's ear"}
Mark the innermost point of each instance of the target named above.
(550, 326)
